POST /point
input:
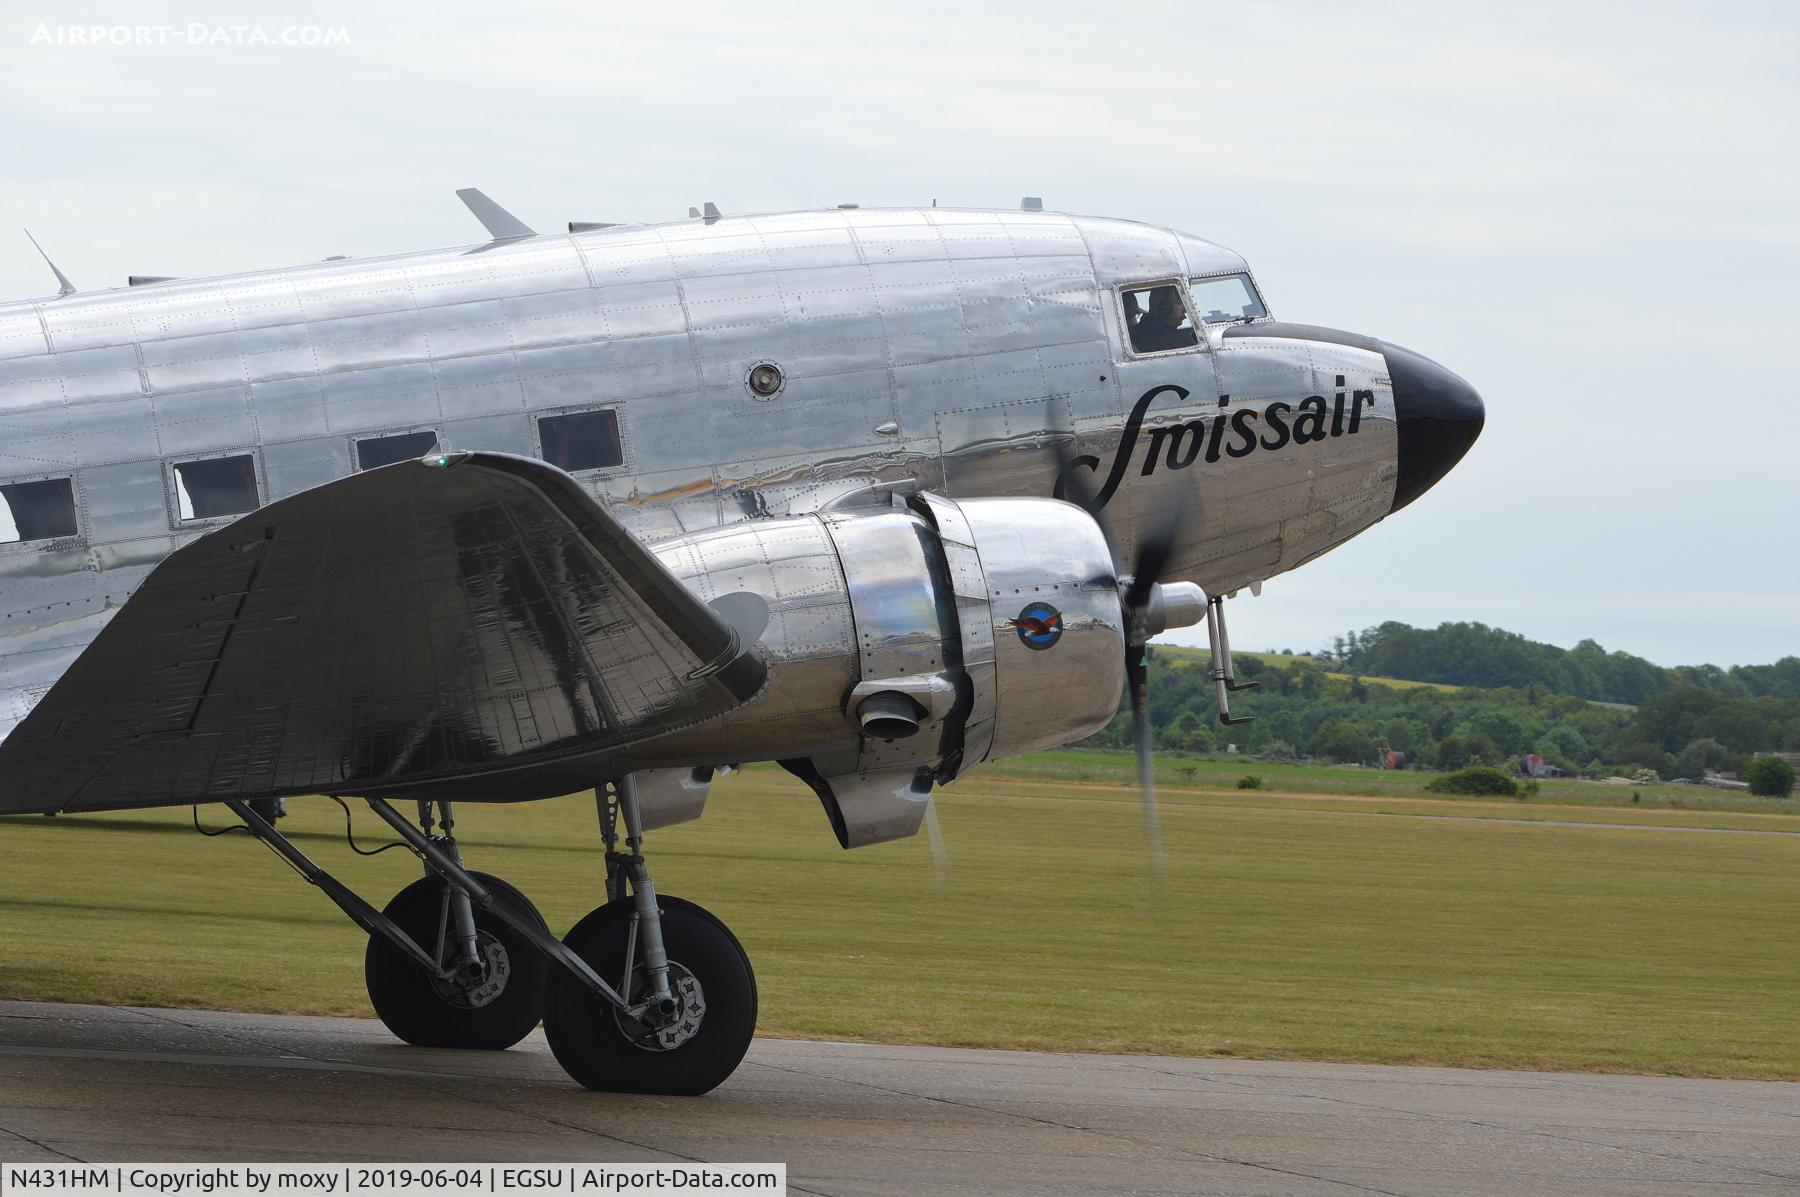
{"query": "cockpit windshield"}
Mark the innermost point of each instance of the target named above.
(1226, 297)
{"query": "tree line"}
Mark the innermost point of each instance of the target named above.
(1473, 654)
(1303, 713)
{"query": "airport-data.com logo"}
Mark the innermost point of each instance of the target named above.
(193, 33)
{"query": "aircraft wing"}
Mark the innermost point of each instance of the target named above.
(478, 628)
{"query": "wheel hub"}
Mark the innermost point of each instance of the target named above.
(681, 1026)
(487, 985)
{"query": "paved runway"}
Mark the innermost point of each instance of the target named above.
(92, 1083)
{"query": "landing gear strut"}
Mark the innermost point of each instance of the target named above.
(690, 995)
(1223, 676)
(679, 1021)
(493, 993)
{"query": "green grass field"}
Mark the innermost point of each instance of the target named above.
(1221, 772)
(1304, 921)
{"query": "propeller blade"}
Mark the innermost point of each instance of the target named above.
(940, 859)
(1156, 548)
(1072, 480)
(1154, 551)
(1138, 677)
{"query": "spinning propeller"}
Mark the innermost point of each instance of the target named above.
(1149, 608)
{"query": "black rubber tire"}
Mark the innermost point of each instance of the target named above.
(408, 1002)
(586, 1037)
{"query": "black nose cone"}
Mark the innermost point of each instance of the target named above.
(1439, 416)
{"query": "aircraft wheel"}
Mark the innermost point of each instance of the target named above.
(714, 988)
(427, 1012)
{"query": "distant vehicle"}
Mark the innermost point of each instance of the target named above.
(1533, 765)
(875, 493)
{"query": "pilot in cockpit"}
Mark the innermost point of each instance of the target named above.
(1165, 325)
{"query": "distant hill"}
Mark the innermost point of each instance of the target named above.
(1486, 697)
(1181, 654)
(1473, 654)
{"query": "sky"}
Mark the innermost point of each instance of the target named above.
(1590, 211)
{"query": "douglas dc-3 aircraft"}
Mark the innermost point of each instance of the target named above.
(875, 493)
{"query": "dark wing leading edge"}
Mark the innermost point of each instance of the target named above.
(480, 629)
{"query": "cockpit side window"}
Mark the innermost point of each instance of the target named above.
(1157, 317)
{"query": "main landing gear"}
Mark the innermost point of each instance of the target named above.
(462, 959)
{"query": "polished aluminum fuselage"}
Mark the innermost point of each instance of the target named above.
(948, 346)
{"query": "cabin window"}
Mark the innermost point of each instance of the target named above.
(581, 440)
(1226, 297)
(216, 487)
(37, 510)
(1157, 317)
(378, 451)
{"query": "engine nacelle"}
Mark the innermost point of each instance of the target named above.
(908, 640)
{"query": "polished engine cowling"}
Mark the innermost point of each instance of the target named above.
(908, 638)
